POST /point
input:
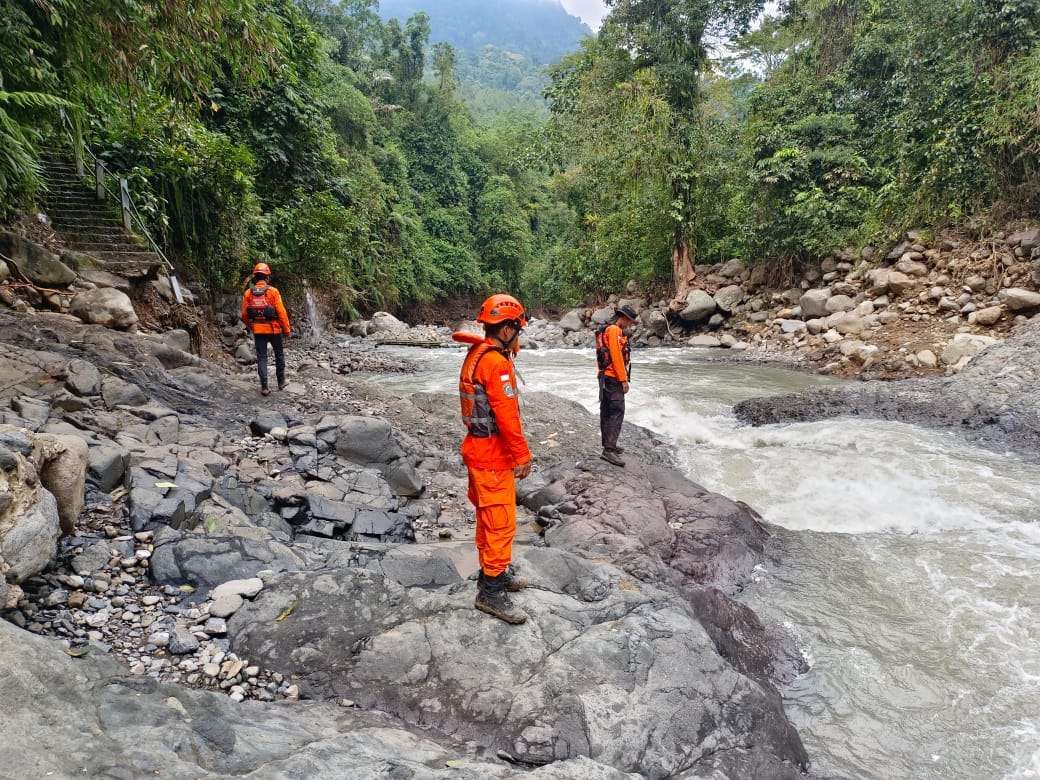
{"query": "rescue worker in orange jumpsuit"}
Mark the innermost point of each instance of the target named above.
(495, 451)
(614, 360)
(264, 314)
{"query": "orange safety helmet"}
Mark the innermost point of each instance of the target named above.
(502, 308)
(262, 268)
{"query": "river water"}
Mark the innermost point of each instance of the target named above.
(910, 569)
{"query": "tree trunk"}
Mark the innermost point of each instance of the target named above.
(683, 274)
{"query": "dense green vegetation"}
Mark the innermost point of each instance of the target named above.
(340, 147)
(832, 125)
(305, 133)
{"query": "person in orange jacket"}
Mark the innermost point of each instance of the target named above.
(614, 360)
(264, 314)
(495, 451)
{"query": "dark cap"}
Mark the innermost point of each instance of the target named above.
(628, 311)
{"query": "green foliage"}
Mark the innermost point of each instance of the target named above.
(503, 234)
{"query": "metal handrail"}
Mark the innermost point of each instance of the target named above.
(126, 203)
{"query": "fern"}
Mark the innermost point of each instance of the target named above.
(19, 165)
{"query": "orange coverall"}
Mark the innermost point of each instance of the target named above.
(281, 326)
(491, 460)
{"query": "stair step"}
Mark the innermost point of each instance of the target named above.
(80, 194)
(98, 209)
(88, 247)
(77, 238)
(72, 224)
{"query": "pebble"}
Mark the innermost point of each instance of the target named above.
(292, 692)
(159, 639)
(215, 627)
(252, 671)
(150, 601)
(182, 642)
(211, 670)
(56, 598)
(226, 606)
(231, 669)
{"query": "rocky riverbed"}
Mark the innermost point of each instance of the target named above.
(233, 567)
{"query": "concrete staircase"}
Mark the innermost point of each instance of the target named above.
(91, 227)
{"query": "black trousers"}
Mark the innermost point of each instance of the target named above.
(611, 410)
(275, 340)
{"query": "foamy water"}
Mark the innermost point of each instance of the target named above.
(911, 574)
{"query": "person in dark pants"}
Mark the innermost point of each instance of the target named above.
(614, 359)
(264, 314)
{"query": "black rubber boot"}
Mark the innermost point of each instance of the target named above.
(514, 582)
(610, 456)
(493, 599)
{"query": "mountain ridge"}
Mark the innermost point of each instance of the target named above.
(541, 30)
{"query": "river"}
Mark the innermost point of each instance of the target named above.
(911, 565)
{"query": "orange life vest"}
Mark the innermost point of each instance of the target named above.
(476, 408)
(603, 358)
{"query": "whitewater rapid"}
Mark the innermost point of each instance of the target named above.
(910, 575)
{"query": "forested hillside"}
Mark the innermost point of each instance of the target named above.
(540, 30)
(337, 145)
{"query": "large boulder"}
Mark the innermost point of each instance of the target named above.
(367, 440)
(731, 269)
(33, 261)
(571, 321)
(385, 322)
(29, 522)
(104, 306)
(636, 303)
(884, 281)
(965, 345)
(656, 323)
(208, 561)
(814, 303)
(699, 307)
(1026, 239)
(839, 303)
(62, 463)
(603, 315)
(729, 297)
(100, 278)
(83, 378)
(1018, 299)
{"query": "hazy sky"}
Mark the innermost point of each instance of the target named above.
(592, 11)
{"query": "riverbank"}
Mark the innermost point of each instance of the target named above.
(307, 503)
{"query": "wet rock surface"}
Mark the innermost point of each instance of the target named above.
(223, 559)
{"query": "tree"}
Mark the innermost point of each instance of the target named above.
(670, 38)
(503, 234)
(444, 66)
